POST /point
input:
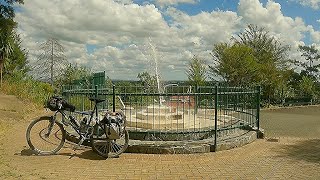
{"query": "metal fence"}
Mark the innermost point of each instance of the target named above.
(178, 112)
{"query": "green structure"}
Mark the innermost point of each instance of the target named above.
(97, 79)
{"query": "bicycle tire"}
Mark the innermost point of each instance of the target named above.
(55, 140)
(111, 148)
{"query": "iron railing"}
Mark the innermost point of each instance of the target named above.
(177, 112)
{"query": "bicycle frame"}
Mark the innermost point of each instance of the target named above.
(83, 137)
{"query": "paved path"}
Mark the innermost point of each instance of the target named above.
(286, 159)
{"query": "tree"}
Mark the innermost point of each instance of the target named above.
(6, 9)
(271, 56)
(6, 43)
(149, 82)
(18, 59)
(6, 31)
(197, 72)
(72, 73)
(14, 57)
(51, 62)
(307, 87)
(235, 64)
(311, 66)
(266, 48)
(253, 58)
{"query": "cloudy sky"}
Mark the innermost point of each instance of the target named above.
(116, 36)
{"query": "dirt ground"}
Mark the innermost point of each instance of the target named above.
(291, 150)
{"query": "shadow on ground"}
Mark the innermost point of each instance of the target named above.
(305, 150)
(89, 154)
(26, 152)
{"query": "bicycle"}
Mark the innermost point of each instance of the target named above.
(108, 137)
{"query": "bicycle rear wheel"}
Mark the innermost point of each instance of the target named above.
(111, 148)
(41, 139)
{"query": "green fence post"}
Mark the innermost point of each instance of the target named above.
(96, 91)
(196, 100)
(258, 109)
(215, 117)
(113, 99)
(96, 96)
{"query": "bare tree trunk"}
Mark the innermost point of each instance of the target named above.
(51, 67)
(50, 62)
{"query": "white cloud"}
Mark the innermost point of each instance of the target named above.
(205, 28)
(98, 22)
(120, 30)
(163, 3)
(124, 1)
(290, 30)
(315, 35)
(315, 4)
(82, 21)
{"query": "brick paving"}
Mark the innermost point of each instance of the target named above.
(289, 158)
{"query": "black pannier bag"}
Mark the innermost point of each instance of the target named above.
(115, 124)
(53, 102)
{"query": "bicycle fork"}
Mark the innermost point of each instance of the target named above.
(50, 126)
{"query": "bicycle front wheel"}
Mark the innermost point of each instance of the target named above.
(45, 136)
(111, 148)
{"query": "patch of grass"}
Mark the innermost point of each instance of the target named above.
(27, 89)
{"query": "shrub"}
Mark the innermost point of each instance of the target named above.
(26, 88)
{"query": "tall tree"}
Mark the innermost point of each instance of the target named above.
(254, 58)
(6, 31)
(311, 66)
(235, 64)
(18, 59)
(307, 87)
(271, 56)
(266, 48)
(51, 62)
(197, 72)
(6, 46)
(6, 8)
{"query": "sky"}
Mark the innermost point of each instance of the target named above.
(127, 37)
